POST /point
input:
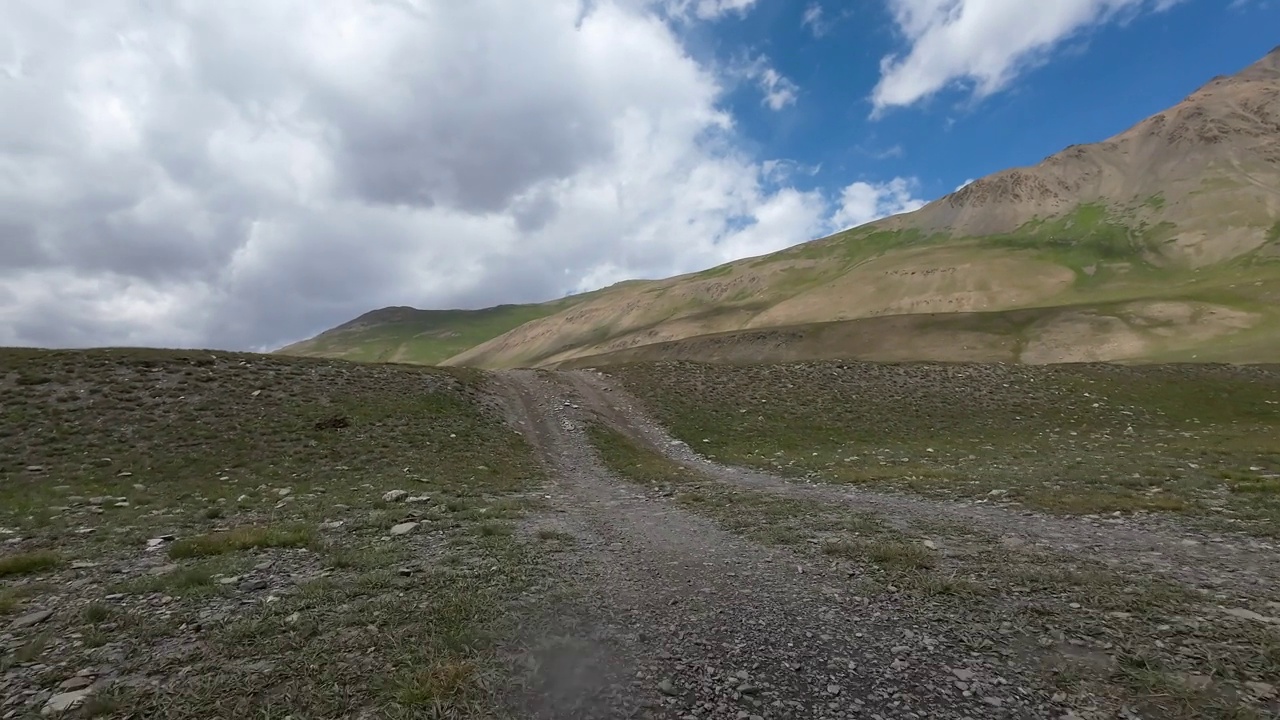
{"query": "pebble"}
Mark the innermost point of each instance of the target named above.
(78, 682)
(34, 618)
(394, 495)
(63, 702)
(403, 528)
(253, 586)
(667, 688)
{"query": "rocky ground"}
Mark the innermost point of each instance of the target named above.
(191, 537)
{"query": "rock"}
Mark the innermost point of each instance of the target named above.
(1244, 614)
(405, 572)
(35, 468)
(255, 393)
(930, 544)
(229, 580)
(962, 674)
(334, 525)
(156, 542)
(253, 585)
(264, 565)
(419, 499)
(997, 493)
(1264, 691)
(163, 569)
(34, 618)
(993, 701)
(833, 689)
(1197, 682)
(79, 682)
(284, 492)
(395, 495)
(403, 528)
(666, 687)
(63, 702)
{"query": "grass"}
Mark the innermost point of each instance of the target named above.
(1070, 439)
(244, 538)
(29, 563)
(231, 455)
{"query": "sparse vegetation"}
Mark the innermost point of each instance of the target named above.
(245, 538)
(1077, 439)
(216, 457)
(29, 562)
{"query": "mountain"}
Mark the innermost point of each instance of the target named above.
(1162, 242)
(409, 335)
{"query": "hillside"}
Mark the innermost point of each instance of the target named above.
(1162, 241)
(428, 337)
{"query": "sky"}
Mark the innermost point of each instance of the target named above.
(243, 174)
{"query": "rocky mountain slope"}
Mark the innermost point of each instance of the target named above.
(1162, 242)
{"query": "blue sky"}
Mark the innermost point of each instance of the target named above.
(243, 174)
(1092, 84)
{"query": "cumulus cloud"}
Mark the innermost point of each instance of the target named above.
(863, 202)
(243, 174)
(984, 44)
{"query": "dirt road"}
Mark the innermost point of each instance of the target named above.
(684, 619)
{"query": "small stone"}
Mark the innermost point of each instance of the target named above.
(962, 674)
(255, 393)
(993, 701)
(403, 528)
(63, 702)
(395, 495)
(1244, 614)
(34, 618)
(405, 572)
(418, 499)
(253, 586)
(833, 689)
(930, 544)
(35, 468)
(284, 492)
(229, 580)
(75, 683)
(264, 565)
(333, 525)
(1264, 691)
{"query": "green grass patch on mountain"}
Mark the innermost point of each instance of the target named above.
(1068, 438)
(424, 337)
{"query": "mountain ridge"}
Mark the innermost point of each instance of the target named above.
(1180, 211)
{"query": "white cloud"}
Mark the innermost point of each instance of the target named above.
(984, 44)
(863, 202)
(814, 20)
(965, 184)
(778, 90)
(709, 9)
(243, 174)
